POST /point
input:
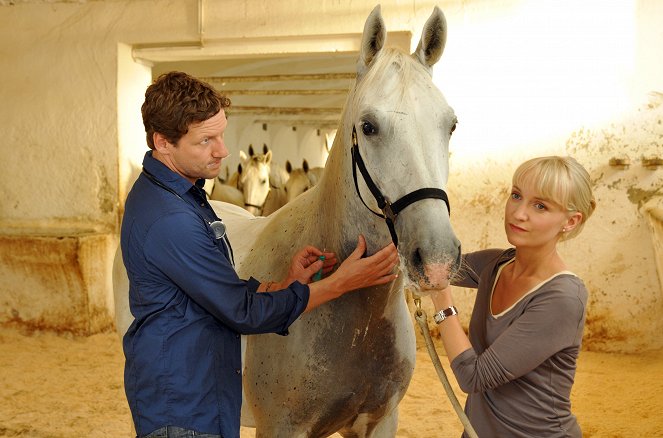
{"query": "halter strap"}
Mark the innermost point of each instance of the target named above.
(389, 210)
(259, 207)
(240, 187)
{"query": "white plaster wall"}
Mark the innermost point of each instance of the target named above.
(286, 147)
(525, 78)
(565, 78)
(312, 147)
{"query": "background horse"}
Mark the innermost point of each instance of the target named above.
(251, 180)
(346, 365)
(297, 182)
(278, 177)
(301, 179)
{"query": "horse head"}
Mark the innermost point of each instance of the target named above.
(253, 180)
(397, 126)
(298, 180)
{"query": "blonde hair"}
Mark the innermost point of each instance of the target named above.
(562, 180)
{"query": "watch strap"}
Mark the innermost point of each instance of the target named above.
(445, 313)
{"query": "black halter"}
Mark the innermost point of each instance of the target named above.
(389, 210)
(259, 207)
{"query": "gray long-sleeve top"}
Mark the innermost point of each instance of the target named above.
(519, 373)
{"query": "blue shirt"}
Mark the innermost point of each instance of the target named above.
(183, 354)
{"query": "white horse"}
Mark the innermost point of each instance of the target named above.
(277, 197)
(297, 182)
(251, 180)
(278, 177)
(346, 365)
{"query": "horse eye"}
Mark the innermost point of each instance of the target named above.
(263, 181)
(368, 128)
(453, 128)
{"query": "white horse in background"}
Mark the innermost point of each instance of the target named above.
(298, 181)
(251, 180)
(278, 177)
(346, 365)
(277, 197)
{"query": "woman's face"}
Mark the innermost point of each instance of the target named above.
(530, 220)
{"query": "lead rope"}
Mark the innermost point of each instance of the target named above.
(420, 316)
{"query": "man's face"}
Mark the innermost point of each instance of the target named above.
(199, 152)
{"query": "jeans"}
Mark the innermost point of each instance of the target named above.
(178, 432)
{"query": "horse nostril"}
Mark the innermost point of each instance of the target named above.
(417, 263)
(417, 260)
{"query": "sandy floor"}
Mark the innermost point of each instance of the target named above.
(60, 386)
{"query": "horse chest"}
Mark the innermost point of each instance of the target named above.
(350, 358)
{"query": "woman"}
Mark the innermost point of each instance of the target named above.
(519, 362)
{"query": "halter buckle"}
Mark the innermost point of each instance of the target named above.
(389, 212)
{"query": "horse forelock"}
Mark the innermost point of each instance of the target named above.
(391, 73)
(398, 94)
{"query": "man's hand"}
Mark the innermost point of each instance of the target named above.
(357, 272)
(307, 262)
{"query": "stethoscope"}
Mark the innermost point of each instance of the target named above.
(217, 227)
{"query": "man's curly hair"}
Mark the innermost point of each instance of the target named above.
(176, 100)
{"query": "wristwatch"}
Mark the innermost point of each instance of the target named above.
(445, 313)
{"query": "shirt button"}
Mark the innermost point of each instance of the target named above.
(238, 371)
(202, 204)
(237, 336)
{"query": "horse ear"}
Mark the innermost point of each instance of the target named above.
(305, 165)
(268, 157)
(288, 166)
(264, 148)
(250, 150)
(372, 40)
(242, 156)
(433, 39)
(239, 168)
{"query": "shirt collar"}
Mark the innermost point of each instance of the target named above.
(167, 177)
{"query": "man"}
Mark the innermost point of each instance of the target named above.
(183, 359)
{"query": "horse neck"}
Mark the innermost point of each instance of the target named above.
(233, 180)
